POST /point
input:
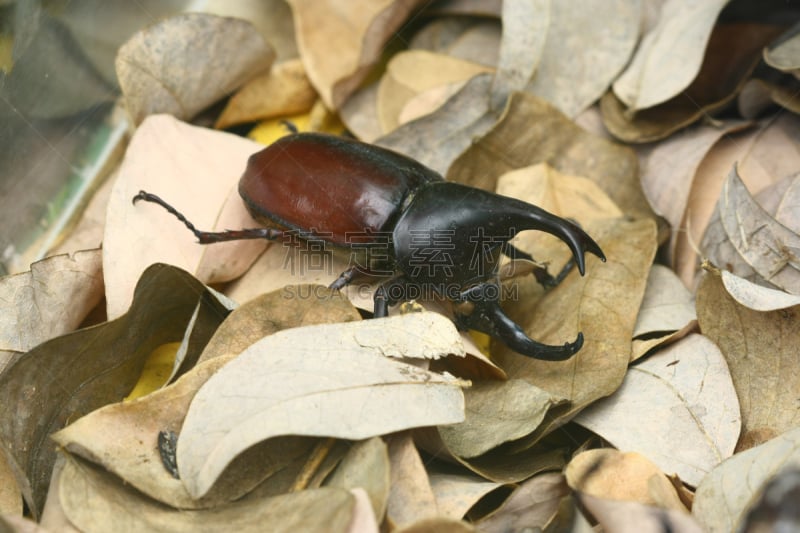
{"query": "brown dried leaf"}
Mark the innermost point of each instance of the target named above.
(94, 500)
(496, 412)
(670, 55)
(766, 247)
(437, 525)
(615, 475)
(413, 72)
(339, 46)
(411, 497)
(533, 504)
(51, 299)
(731, 56)
(758, 95)
(273, 18)
(185, 63)
(85, 370)
(603, 304)
(532, 131)
(290, 307)
(344, 369)
(169, 158)
(284, 90)
(504, 466)
(723, 497)
(693, 419)
(760, 348)
(468, 38)
(10, 495)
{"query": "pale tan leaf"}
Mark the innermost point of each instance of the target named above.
(725, 494)
(585, 50)
(627, 476)
(339, 46)
(428, 101)
(169, 158)
(335, 381)
(693, 418)
(496, 412)
(457, 493)
(96, 501)
(756, 297)
(185, 63)
(761, 351)
(532, 504)
(284, 90)
(670, 55)
(634, 517)
(412, 72)
(757, 96)
(360, 113)
(273, 18)
(437, 525)
(784, 53)
(411, 497)
(10, 495)
(51, 299)
(365, 466)
(765, 246)
(667, 305)
(364, 520)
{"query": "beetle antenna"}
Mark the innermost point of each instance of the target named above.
(208, 237)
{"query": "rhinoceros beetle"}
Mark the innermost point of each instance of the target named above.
(331, 188)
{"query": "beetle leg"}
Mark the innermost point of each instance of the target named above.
(480, 310)
(209, 237)
(385, 295)
(344, 278)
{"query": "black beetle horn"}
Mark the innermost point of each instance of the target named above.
(485, 314)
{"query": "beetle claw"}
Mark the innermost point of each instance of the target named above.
(487, 316)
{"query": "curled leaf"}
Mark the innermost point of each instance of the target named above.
(185, 63)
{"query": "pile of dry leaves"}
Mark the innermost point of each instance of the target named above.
(667, 129)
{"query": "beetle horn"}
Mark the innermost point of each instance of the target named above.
(487, 316)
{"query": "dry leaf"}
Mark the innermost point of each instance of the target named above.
(504, 466)
(284, 90)
(496, 412)
(532, 504)
(603, 305)
(584, 51)
(766, 247)
(531, 131)
(670, 55)
(437, 525)
(412, 72)
(85, 370)
(289, 307)
(273, 18)
(722, 499)
(411, 496)
(730, 58)
(611, 474)
(784, 53)
(669, 169)
(633, 517)
(469, 38)
(360, 113)
(339, 46)
(364, 520)
(439, 138)
(764, 155)
(185, 63)
(10, 495)
(761, 351)
(456, 494)
(775, 507)
(759, 95)
(337, 374)
(690, 414)
(170, 158)
(94, 500)
(51, 299)
(365, 466)
(756, 297)
(667, 312)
